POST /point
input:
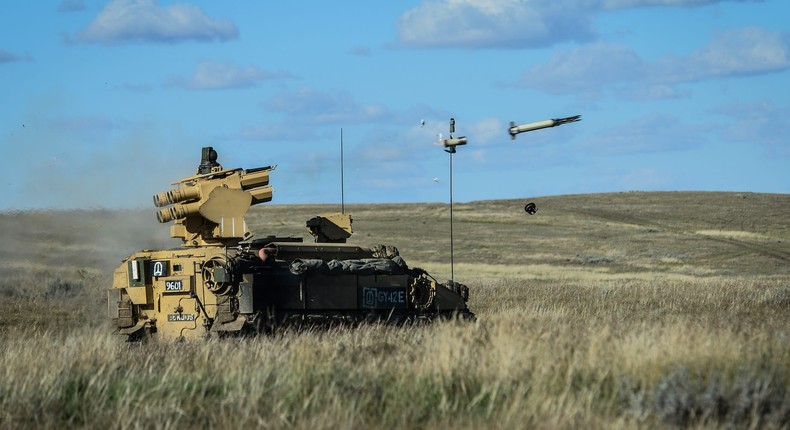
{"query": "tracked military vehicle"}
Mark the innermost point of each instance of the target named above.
(222, 280)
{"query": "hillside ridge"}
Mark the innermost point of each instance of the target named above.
(692, 233)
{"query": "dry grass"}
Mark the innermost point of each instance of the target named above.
(584, 321)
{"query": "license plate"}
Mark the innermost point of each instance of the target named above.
(383, 298)
(176, 285)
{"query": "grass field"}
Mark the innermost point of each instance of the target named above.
(625, 310)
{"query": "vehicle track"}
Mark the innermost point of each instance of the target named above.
(776, 250)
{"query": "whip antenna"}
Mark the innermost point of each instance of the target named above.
(342, 185)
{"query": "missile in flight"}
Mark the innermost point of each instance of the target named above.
(523, 128)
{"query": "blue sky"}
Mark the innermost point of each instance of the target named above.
(107, 102)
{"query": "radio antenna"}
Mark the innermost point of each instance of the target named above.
(342, 184)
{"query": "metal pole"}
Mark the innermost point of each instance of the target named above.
(452, 265)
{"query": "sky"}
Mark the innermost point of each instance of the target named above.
(105, 103)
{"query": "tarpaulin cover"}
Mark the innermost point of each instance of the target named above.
(367, 266)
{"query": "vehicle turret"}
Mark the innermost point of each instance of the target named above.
(208, 208)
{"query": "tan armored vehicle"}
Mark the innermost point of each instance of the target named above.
(222, 280)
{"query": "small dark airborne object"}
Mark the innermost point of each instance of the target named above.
(530, 208)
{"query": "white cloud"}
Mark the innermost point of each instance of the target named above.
(361, 51)
(760, 122)
(273, 132)
(211, 75)
(647, 91)
(594, 68)
(124, 21)
(514, 24)
(10, 57)
(495, 23)
(71, 6)
(627, 4)
(585, 69)
(652, 133)
(488, 130)
(309, 114)
(740, 51)
(320, 107)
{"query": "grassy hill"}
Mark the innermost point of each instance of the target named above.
(624, 309)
